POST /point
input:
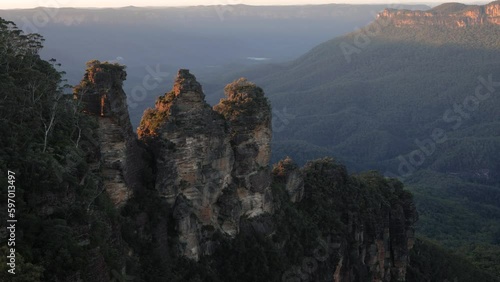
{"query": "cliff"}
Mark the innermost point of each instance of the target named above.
(362, 225)
(100, 94)
(249, 115)
(449, 14)
(212, 184)
(210, 169)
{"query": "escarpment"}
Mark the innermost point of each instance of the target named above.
(450, 15)
(211, 167)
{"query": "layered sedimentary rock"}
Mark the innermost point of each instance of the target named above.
(249, 115)
(449, 15)
(101, 95)
(382, 249)
(375, 250)
(210, 169)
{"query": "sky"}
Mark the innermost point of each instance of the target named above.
(12, 4)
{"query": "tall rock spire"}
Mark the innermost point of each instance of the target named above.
(211, 167)
(101, 94)
(249, 115)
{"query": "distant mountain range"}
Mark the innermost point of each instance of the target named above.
(205, 39)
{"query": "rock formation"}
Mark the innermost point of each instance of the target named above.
(100, 93)
(449, 15)
(212, 170)
(289, 173)
(249, 115)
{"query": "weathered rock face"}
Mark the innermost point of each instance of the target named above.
(249, 116)
(101, 94)
(380, 250)
(113, 160)
(289, 173)
(210, 166)
(209, 180)
(449, 15)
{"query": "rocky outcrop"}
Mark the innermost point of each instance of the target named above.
(449, 15)
(194, 160)
(379, 254)
(100, 93)
(210, 169)
(249, 115)
(287, 172)
(113, 156)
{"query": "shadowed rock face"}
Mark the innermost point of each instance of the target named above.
(249, 116)
(378, 217)
(449, 15)
(101, 94)
(377, 250)
(289, 173)
(211, 169)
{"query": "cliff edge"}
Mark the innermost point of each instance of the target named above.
(452, 15)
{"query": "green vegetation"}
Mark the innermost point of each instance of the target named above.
(332, 195)
(64, 220)
(244, 100)
(97, 72)
(69, 229)
(430, 262)
(154, 118)
(383, 103)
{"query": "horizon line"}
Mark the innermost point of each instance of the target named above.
(251, 5)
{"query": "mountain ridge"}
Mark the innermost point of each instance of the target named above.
(448, 14)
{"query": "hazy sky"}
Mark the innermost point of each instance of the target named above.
(9, 4)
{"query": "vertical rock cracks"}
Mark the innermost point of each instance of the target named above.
(213, 164)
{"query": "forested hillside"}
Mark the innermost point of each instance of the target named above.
(64, 221)
(416, 96)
